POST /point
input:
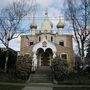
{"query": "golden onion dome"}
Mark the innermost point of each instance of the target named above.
(33, 25)
(60, 23)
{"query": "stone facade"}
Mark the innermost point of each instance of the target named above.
(44, 45)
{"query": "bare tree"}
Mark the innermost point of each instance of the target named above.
(10, 19)
(78, 12)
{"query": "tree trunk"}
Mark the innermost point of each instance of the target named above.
(7, 57)
(82, 55)
(6, 61)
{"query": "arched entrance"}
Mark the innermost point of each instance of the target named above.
(45, 60)
(43, 52)
(38, 54)
(44, 57)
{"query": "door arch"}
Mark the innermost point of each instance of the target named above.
(43, 46)
(45, 59)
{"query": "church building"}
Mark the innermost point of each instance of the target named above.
(44, 45)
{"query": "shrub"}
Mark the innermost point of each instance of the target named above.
(2, 59)
(23, 67)
(60, 69)
(11, 61)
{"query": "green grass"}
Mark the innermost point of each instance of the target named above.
(71, 88)
(10, 87)
(77, 79)
(5, 77)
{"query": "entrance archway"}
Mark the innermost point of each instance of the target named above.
(38, 54)
(46, 57)
(43, 51)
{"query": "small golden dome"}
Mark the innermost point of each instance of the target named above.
(60, 23)
(33, 25)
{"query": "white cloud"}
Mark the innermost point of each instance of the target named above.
(54, 14)
(42, 3)
(1, 45)
(15, 44)
(4, 3)
(45, 3)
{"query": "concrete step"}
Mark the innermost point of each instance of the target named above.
(42, 75)
(40, 84)
(41, 81)
(39, 78)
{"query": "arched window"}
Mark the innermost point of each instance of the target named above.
(51, 39)
(39, 39)
(46, 37)
(61, 43)
(64, 56)
(45, 31)
(31, 43)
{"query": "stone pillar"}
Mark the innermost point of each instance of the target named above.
(54, 54)
(34, 62)
(33, 31)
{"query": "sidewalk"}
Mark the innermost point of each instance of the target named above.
(40, 86)
(13, 84)
(48, 86)
(37, 88)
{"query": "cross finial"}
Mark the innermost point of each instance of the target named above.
(46, 11)
(59, 18)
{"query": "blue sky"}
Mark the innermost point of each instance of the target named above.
(55, 9)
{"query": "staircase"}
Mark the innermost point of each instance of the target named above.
(42, 75)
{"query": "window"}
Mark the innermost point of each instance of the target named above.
(45, 31)
(64, 56)
(39, 39)
(51, 39)
(46, 37)
(61, 43)
(31, 43)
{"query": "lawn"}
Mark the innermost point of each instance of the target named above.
(5, 77)
(10, 87)
(71, 88)
(77, 79)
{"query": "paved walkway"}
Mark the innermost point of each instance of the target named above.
(37, 88)
(13, 84)
(40, 86)
(48, 86)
